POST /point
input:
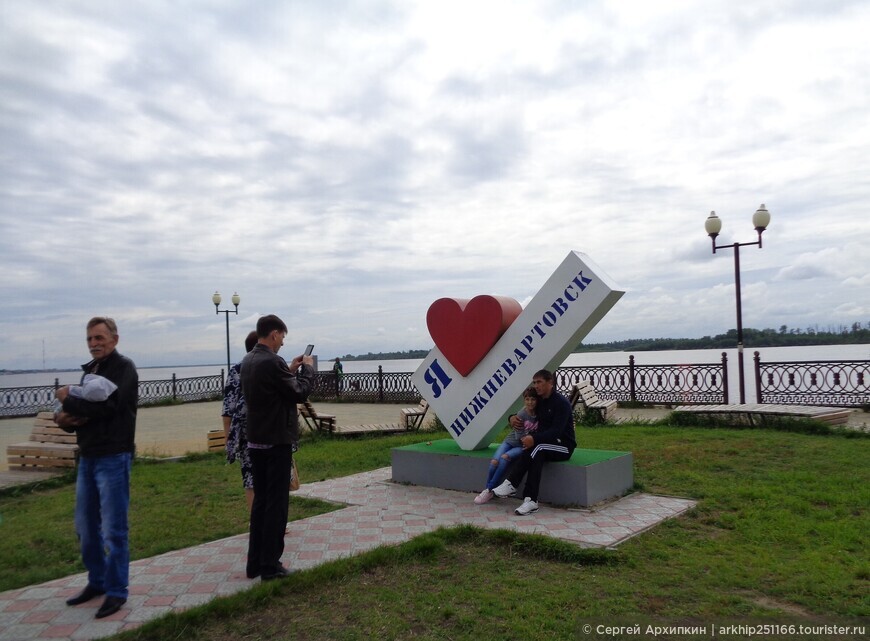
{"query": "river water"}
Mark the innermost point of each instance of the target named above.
(671, 357)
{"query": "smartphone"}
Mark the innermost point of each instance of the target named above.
(309, 350)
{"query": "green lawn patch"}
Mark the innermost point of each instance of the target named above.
(449, 447)
(779, 534)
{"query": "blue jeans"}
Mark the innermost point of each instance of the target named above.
(102, 499)
(496, 472)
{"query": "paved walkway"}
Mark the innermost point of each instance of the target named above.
(378, 512)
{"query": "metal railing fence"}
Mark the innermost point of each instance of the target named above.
(27, 401)
(683, 384)
(832, 383)
(376, 387)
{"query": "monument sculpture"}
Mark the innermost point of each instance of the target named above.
(487, 348)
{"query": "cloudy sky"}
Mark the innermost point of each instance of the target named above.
(344, 164)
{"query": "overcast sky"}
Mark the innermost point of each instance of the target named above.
(345, 164)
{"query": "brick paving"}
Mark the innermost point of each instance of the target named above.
(378, 512)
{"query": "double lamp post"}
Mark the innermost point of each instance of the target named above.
(216, 299)
(713, 225)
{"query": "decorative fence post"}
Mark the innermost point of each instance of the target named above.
(174, 388)
(725, 376)
(757, 366)
(380, 383)
(632, 390)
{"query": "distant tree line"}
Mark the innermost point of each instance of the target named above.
(387, 356)
(854, 334)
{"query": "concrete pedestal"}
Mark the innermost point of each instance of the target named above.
(589, 477)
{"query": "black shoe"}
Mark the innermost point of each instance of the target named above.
(280, 573)
(111, 605)
(85, 595)
(252, 574)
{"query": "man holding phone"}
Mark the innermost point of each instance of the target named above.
(272, 389)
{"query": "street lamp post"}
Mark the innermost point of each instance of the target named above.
(713, 225)
(216, 299)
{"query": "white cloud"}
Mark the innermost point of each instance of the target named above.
(345, 164)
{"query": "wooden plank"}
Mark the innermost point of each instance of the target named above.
(831, 415)
(48, 447)
(38, 462)
(57, 450)
(25, 475)
(51, 435)
(216, 440)
(368, 429)
(30, 454)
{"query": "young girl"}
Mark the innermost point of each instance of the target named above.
(511, 447)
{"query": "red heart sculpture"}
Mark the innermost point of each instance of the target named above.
(465, 330)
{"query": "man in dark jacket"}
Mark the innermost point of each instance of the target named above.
(272, 390)
(553, 441)
(105, 432)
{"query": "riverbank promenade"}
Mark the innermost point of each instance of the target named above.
(178, 429)
(376, 512)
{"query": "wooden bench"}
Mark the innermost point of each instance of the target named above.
(411, 418)
(49, 447)
(380, 428)
(216, 441)
(315, 421)
(585, 394)
(749, 413)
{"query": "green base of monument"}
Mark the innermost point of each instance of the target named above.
(588, 477)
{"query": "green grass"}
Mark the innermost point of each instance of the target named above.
(172, 506)
(779, 535)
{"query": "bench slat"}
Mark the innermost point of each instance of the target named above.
(48, 447)
(216, 440)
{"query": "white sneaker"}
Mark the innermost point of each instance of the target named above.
(505, 490)
(483, 497)
(527, 507)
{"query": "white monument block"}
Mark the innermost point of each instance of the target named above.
(475, 407)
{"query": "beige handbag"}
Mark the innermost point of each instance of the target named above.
(294, 477)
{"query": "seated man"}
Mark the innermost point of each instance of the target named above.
(554, 441)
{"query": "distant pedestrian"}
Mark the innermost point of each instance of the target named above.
(272, 390)
(106, 440)
(338, 374)
(234, 413)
